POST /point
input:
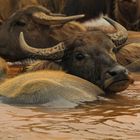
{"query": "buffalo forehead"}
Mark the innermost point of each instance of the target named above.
(93, 40)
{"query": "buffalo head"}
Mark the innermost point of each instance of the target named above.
(89, 55)
(92, 57)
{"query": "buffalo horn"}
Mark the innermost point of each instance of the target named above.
(120, 36)
(43, 18)
(53, 53)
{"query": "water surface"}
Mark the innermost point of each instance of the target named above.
(117, 118)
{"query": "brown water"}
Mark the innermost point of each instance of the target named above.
(117, 118)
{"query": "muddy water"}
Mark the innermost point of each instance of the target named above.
(117, 118)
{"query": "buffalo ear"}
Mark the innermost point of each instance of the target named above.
(45, 19)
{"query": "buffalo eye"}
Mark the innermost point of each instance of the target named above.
(20, 23)
(79, 56)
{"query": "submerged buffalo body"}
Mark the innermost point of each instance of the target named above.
(53, 88)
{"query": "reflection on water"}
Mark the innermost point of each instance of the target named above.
(117, 118)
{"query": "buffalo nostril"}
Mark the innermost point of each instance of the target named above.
(117, 70)
(126, 71)
(112, 73)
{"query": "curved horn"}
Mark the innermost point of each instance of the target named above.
(120, 36)
(53, 20)
(53, 53)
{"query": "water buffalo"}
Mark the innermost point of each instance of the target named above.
(53, 88)
(129, 56)
(130, 51)
(36, 31)
(134, 66)
(8, 7)
(121, 10)
(56, 6)
(128, 14)
(44, 29)
(89, 55)
(91, 8)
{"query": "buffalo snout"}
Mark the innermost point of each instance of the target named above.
(117, 79)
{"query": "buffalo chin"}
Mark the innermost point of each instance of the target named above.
(117, 84)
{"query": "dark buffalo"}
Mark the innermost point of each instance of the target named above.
(91, 8)
(127, 12)
(121, 10)
(56, 6)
